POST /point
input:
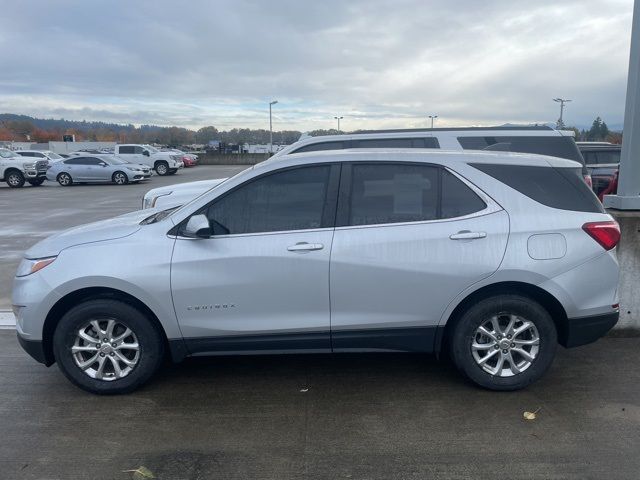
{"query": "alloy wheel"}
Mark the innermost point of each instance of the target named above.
(505, 344)
(120, 178)
(14, 179)
(106, 349)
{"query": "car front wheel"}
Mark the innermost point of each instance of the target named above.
(64, 179)
(105, 346)
(505, 342)
(162, 168)
(120, 178)
(15, 179)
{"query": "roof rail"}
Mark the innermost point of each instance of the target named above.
(448, 129)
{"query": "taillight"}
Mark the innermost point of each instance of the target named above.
(607, 234)
(588, 180)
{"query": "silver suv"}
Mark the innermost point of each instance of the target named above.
(493, 257)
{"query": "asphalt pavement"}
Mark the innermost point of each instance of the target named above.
(366, 416)
(30, 214)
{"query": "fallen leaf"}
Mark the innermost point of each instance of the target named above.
(141, 473)
(304, 390)
(531, 415)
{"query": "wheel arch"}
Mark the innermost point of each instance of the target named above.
(548, 301)
(64, 304)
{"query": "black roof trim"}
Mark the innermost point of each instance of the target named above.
(449, 129)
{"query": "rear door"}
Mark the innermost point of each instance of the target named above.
(408, 239)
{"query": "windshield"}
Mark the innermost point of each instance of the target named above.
(151, 149)
(4, 153)
(54, 156)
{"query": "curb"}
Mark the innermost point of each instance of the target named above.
(7, 320)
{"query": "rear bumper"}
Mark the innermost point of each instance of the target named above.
(574, 332)
(35, 348)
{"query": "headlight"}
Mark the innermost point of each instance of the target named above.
(150, 201)
(29, 165)
(28, 266)
(133, 169)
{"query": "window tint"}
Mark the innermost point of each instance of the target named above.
(126, 150)
(76, 161)
(608, 157)
(393, 193)
(288, 200)
(562, 147)
(314, 147)
(138, 150)
(93, 161)
(425, 142)
(458, 199)
(562, 188)
(31, 154)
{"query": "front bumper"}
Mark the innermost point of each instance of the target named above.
(35, 348)
(32, 174)
(574, 332)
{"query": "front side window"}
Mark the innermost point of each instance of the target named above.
(315, 147)
(292, 199)
(393, 193)
(138, 150)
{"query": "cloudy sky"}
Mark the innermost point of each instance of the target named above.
(377, 63)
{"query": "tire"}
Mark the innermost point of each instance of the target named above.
(469, 347)
(162, 168)
(14, 178)
(37, 182)
(146, 359)
(120, 178)
(64, 179)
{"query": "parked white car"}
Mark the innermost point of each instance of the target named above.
(164, 163)
(51, 157)
(538, 139)
(16, 170)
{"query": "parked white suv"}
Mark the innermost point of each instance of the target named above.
(164, 163)
(16, 170)
(539, 140)
(495, 257)
(48, 155)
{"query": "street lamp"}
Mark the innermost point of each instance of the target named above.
(561, 101)
(271, 127)
(432, 117)
(338, 119)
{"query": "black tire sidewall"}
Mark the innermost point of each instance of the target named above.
(466, 327)
(149, 338)
(60, 175)
(126, 178)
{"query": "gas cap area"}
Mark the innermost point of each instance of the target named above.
(547, 246)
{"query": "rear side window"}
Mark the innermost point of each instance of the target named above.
(602, 157)
(562, 188)
(126, 150)
(315, 147)
(424, 142)
(556, 146)
(398, 193)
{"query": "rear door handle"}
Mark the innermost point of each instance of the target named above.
(467, 235)
(305, 247)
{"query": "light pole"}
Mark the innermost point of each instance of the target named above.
(561, 101)
(271, 126)
(338, 119)
(432, 117)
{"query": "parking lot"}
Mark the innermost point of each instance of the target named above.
(301, 416)
(30, 214)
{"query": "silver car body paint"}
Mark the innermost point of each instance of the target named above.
(359, 278)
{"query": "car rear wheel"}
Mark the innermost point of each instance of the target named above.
(120, 178)
(37, 182)
(15, 179)
(505, 342)
(64, 179)
(162, 168)
(105, 346)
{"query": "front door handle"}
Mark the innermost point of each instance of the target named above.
(467, 235)
(305, 247)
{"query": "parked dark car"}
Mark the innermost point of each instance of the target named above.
(603, 161)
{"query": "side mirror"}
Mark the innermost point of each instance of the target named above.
(145, 153)
(197, 227)
(102, 164)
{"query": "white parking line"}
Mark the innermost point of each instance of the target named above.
(7, 320)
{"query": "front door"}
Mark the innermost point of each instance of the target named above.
(409, 238)
(261, 282)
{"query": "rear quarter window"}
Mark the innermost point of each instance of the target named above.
(562, 188)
